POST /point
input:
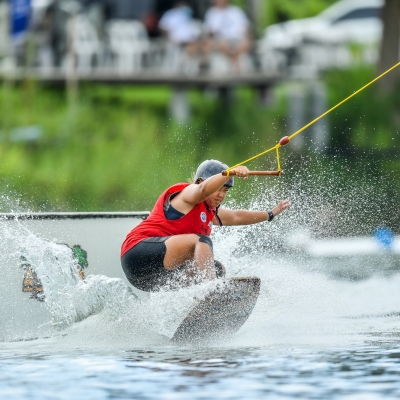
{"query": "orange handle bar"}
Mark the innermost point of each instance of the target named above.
(258, 173)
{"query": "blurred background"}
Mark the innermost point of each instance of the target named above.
(104, 103)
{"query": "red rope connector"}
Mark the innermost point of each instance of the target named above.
(284, 140)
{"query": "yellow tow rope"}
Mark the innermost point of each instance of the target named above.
(286, 139)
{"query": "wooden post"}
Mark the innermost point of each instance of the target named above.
(320, 130)
(296, 113)
(389, 54)
(179, 105)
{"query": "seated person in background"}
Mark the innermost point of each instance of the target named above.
(178, 26)
(228, 29)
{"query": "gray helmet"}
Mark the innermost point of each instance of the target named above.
(212, 167)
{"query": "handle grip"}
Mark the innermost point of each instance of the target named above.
(258, 173)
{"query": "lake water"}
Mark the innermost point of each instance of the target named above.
(310, 336)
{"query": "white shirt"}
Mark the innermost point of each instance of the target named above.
(179, 25)
(228, 23)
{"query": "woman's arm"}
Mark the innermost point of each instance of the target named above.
(246, 217)
(197, 193)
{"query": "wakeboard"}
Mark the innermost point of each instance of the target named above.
(221, 312)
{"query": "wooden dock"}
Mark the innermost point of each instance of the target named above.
(180, 83)
(154, 78)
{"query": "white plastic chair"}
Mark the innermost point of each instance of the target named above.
(128, 43)
(84, 41)
(271, 60)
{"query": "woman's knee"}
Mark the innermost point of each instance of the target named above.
(206, 239)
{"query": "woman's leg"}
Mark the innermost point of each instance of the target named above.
(182, 249)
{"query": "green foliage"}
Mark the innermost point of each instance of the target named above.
(274, 11)
(368, 120)
(117, 149)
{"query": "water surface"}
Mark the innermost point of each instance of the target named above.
(312, 334)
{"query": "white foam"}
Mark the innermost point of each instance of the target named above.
(296, 305)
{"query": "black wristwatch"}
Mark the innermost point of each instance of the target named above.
(271, 216)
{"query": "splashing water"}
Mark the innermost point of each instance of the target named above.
(107, 302)
(296, 305)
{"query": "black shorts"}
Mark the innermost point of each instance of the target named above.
(144, 268)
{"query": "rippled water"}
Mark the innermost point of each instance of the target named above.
(310, 336)
(363, 370)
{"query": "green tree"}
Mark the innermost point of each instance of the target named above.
(273, 11)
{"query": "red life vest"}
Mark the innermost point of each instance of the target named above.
(198, 220)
